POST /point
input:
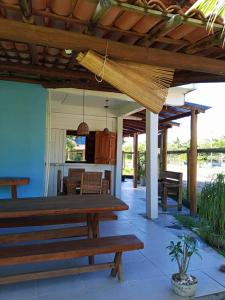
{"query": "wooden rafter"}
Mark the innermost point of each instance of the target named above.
(27, 33)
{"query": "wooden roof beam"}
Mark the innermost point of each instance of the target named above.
(180, 116)
(62, 39)
(45, 72)
(203, 44)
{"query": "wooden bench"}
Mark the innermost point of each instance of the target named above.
(35, 253)
(170, 183)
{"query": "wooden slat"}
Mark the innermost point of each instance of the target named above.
(68, 249)
(13, 181)
(62, 205)
(43, 235)
(54, 273)
(52, 220)
(62, 39)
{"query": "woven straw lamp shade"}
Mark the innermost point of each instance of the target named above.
(147, 85)
(106, 129)
(83, 129)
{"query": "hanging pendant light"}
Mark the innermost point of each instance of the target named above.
(83, 128)
(106, 130)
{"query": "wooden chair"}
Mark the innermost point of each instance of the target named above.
(91, 183)
(59, 183)
(73, 180)
(73, 172)
(170, 184)
(105, 186)
(108, 177)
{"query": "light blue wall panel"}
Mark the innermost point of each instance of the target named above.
(22, 136)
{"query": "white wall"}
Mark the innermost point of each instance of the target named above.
(63, 117)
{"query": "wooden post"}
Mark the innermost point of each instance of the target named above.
(188, 174)
(164, 150)
(135, 159)
(193, 164)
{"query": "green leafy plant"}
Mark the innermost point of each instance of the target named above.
(212, 207)
(212, 9)
(141, 165)
(181, 252)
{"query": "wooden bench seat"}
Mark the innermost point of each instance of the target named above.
(52, 220)
(170, 183)
(35, 253)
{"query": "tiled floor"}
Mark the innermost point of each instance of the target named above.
(147, 272)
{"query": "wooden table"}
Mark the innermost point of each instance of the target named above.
(92, 205)
(13, 182)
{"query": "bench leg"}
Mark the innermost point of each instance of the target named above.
(179, 199)
(117, 270)
(14, 192)
(93, 230)
(164, 199)
(90, 236)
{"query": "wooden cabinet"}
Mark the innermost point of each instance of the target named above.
(105, 148)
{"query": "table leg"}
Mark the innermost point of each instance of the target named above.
(93, 230)
(90, 235)
(14, 192)
(95, 225)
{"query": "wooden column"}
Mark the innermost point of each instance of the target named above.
(193, 164)
(135, 159)
(164, 149)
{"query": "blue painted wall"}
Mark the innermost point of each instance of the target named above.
(22, 136)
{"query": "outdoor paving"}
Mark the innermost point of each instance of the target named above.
(147, 272)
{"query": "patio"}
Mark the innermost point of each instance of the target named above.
(147, 272)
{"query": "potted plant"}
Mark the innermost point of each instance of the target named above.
(181, 252)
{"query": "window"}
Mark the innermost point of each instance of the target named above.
(75, 147)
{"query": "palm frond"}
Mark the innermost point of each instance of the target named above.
(212, 9)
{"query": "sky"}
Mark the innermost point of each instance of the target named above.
(211, 124)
